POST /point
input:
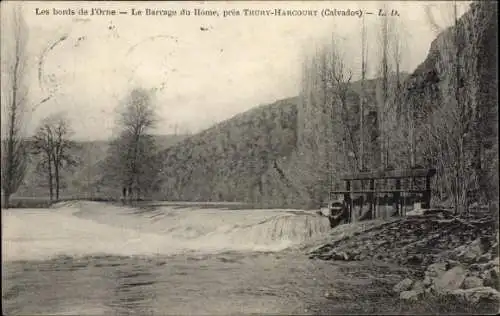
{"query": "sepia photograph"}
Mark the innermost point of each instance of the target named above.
(249, 158)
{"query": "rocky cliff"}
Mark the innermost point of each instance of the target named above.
(436, 84)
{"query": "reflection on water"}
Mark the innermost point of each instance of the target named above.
(217, 284)
(95, 258)
(134, 292)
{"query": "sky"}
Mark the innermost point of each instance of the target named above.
(201, 69)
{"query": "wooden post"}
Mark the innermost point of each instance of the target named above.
(412, 195)
(427, 194)
(347, 198)
(351, 199)
(362, 198)
(405, 198)
(397, 198)
(372, 199)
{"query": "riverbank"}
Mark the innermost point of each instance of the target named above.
(447, 264)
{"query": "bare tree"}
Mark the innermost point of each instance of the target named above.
(364, 55)
(339, 78)
(383, 99)
(61, 154)
(52, 144)
(390, 94)
(14, 101)
(131, 161)
(16, 105)
(327, 133)
(396, 113)
(313, 134)
(43, 147)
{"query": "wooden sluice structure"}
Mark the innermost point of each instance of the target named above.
(398, 187)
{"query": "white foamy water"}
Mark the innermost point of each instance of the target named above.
(95, 258)
(86, 228)
(99, 259)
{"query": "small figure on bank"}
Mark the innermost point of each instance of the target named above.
(124, 194)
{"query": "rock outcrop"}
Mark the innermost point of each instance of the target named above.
(466, 278)
(416, 240)
(446, 255)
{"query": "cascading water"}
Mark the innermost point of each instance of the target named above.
(105, 228)
(95, 258)
(194, 229)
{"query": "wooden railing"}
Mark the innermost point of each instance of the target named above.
(371, 195)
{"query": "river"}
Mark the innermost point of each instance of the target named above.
(91, 258)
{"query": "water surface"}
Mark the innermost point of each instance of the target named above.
(96, 258)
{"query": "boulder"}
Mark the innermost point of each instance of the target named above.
(415, 259)
(478, 294)
(342, 256)
(484, 258)
(409, 295)
(495, 262)
(472, 251)
(450, 280)
(472, 282)
(459, 249)
(452, 263)
(418, 286)
(404, 285)
(334, 255)
(491, 277)
(436, 269)
(428, 281)
(477, 267)
(333, 294)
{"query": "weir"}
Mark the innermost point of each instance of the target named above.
(176, 229)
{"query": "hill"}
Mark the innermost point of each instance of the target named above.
(253, 157)
(228, 161)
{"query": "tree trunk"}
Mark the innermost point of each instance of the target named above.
(56, 174)
(411, 134)
(6, 199)
(383, 107)
(9, 183)
(362, 99)
(10, 166)
(51, 181)
(57, 162)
